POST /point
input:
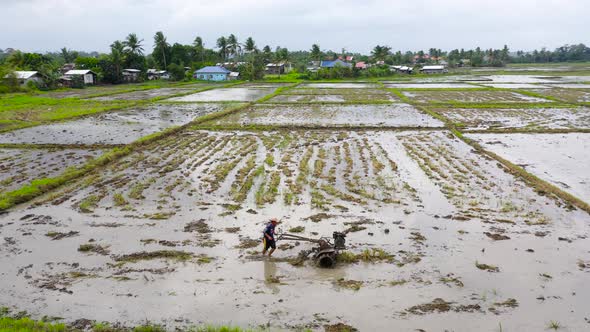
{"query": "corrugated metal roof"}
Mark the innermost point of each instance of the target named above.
(212, 70)
(437, 67)
(79, 72)
(131, 70)
(23, 75)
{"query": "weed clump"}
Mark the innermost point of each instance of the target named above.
(159, 254)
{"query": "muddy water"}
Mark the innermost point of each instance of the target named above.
(561, 159)
(395, 115)
(229, 94)
(19, 166)
(439, 263)
(119, 127)
(571, 86)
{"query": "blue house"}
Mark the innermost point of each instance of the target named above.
(335, 63)
(212, 73)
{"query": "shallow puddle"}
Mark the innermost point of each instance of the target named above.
(338, 85)
(120, 127)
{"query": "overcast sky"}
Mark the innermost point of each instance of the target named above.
(48, 25)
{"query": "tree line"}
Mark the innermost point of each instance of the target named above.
(180, 60)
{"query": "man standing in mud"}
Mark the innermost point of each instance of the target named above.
(268, 237)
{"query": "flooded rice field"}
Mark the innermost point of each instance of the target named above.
(338, 85)
(522, 118)
(227, 94)
(19, 167)
(439, 237)
(471, 97)
(120, 127)
(305, 95)
(514, 85)
(392, 115)
(567, 95)
(431, 86)
(147, 94)
(561, 159)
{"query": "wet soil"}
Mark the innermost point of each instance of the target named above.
(471, 97)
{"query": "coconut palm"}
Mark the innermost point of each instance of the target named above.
(316, 53)
(222, 45)
(380, 52)
(233, 46)
(199, 47)
(161, 45)
(133, 44)
(250, 45)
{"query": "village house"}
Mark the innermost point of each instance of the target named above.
(434, 69)
(361, 65)
(234, 75)
(275, 68)
(131, 75)
(67, 67)
(335, 63)
(155, 74)
(402, 69)
(212, 73)
(88, 76)
(24, 77)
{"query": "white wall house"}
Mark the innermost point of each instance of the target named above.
(89, 75)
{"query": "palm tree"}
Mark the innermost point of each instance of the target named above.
(222, 45)
(250, 45)
(380, 52)
(161, 45)
(316, 53)
(199, 47)
(117, 50)
(233, 45)
(133, 44)
(67, 55)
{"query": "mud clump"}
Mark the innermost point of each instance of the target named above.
(298, 229)
(439, 305)
(349, 284)
(496, 237)
(95, 248)
(232, 229)
(248, 243)
(160, 254)
(318, 217)
(339, 327)
(58, 235)
(197, 226)
(486, 267)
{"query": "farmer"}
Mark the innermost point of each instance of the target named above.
(268, 237)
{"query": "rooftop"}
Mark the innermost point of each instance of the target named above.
(212, 70)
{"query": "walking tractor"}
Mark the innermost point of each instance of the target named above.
(325, 253)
